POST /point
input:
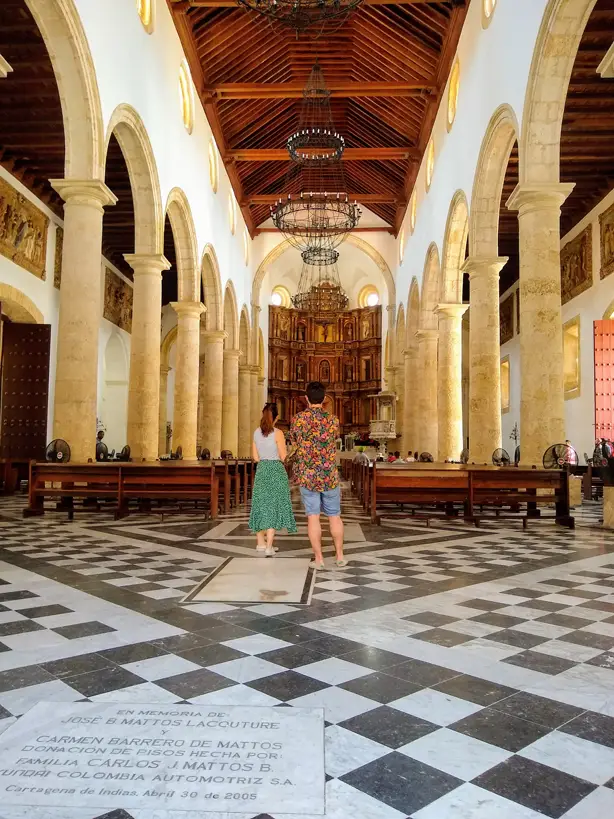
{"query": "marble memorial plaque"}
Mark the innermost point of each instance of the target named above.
(105, 756)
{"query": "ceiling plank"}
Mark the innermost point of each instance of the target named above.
(289, 90)
(350, 154)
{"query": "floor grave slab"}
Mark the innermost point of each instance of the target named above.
(235, 759)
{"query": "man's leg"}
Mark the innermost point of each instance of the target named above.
(336, 530)
(331, 504)
(314, 530)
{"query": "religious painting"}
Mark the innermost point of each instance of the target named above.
(606, 227)
(325, 372)
(506, 319)
(366, 327)
(23, 231)
(117, 301)
(577, 266)
(284, 325)
(57, 262)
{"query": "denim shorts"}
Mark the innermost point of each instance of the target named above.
(328, 502)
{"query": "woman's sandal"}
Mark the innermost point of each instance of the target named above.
(315, 565)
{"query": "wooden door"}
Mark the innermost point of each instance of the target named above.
(24, 392)
(604, 378)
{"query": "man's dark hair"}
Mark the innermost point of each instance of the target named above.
(315, 392)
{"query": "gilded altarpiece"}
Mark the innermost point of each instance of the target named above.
(345, 354)
(577, 265)
(23, 231)
(606, 231)
(117, 301)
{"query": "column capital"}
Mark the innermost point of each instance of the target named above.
(531, 196)
(190, 309)
(212, 336)
(91, 192)
(409, 352)
(452, 311)
(230, 354)
(164, 370)
(256, 308)
(147, 264)
(426, 334)
(245, 369)
(483, 266)
(255, 369)
(261, 380)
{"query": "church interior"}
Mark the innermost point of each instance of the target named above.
(205, 205)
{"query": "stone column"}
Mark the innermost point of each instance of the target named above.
(245, 411)
(185, 420)
(542, 404)
(427, 399)
(410, 409)
(202, 398)
(144, 382)
(399, 381)
(213, 345)
(256, 397)
(450, 381)
(390, 380)
(484, 358)
(76, 378)
(230, 402)
(164, 371)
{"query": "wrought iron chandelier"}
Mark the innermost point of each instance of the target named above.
(304, 15)
(316, 205)
(319, 289)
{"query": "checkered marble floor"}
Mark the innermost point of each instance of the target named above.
(464, 673)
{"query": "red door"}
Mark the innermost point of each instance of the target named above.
(24, 391)
(604, 378)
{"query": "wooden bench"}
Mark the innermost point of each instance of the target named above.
(124, 487)
(475, 492)
(12, 471)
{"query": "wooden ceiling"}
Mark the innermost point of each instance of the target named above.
(587, 140)
(386, 67)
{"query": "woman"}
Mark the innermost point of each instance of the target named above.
(271, 504)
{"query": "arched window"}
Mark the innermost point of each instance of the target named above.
(232, 214)
(488, 9)
(213, 166)
(246, 245)
(186, 96)
(145, 9)
(413, 210)
(280, 297)
(430, 163)
(401, 245)
(453, 93)
(368, 296)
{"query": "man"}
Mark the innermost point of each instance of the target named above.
(314, 432)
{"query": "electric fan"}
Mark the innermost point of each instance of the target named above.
(426, 458)
(124, 455)
(517, 456)
(559, 456)
(226, 455)
(177, 455)
(464, 456)
(198, 453)
(102, 451)
(57, 451)
(205, 454)
(501, 458)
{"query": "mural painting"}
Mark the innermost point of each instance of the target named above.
(506, 319)
(23, 231)
(117, 301)
(57, 262)
(577, 266)
(606, 230)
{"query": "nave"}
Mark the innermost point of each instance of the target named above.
(463, 672)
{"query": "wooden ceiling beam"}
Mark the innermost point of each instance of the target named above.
(260, 230)
(228, 4)
(350, 154)
(363, 198)
(294, 90)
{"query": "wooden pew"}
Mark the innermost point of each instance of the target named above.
(477, 491)
(65, 482)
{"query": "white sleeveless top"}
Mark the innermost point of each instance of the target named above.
(266, 446)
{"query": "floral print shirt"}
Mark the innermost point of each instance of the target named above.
(314, 433)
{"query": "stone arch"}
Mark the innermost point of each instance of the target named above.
(231, 318)
(400, 335)
(501, 134)
(165, 348)
(244, 335)
(184, 235)
(430, 289)
(352, 239)
(454, 250)
(212, 287)
(114, 397)
(61, 28)
(412, 313)
(128, 128)
(261, 352)
(18, 307)
(555, 52)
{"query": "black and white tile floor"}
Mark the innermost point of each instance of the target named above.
(465, 674)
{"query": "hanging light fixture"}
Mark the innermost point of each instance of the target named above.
(316, 204)
(319, 289)
(304, 15)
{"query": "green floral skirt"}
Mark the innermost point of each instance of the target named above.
(271, 504)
